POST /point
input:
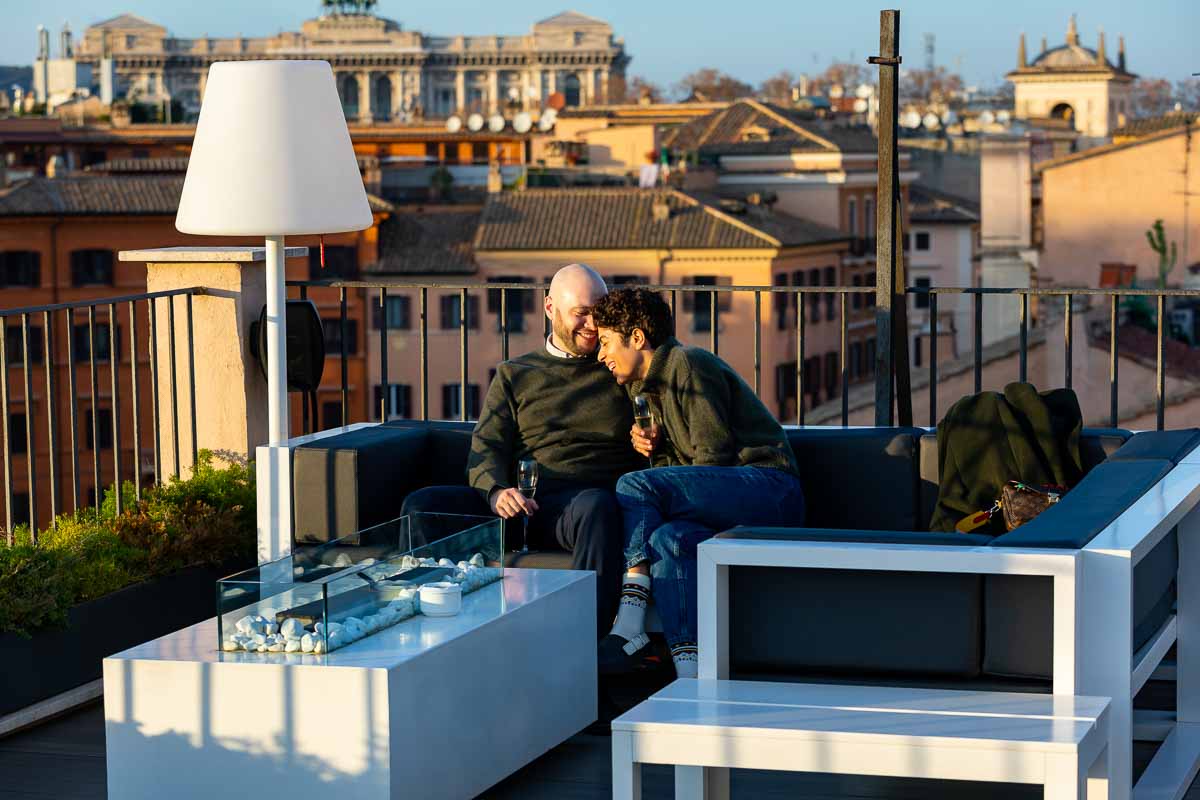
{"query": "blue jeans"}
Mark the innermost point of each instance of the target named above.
(668, 511)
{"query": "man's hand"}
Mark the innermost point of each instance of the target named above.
(509, 503)
(644, 441)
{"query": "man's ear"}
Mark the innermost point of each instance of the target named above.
(549, 306)
(638, 339)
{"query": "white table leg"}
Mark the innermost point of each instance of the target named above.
(1064, 779)
(626, 773)
(701, 783)
(1097, 778)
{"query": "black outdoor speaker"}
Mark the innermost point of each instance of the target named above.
(305, 345)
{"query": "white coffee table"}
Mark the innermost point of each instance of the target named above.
(429, 708)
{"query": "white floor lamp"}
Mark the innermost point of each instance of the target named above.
(272, 157)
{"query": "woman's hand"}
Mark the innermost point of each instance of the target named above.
(645, 441)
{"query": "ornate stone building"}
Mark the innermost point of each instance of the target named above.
(384, 72)
(1074, 83)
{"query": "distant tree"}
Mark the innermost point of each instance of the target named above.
(632, 90)
(845, 74)
(778, 88)
(1187, 93)
(1151, 97)
(932, 86)
(713, 85)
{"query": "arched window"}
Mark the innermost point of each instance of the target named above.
(572, 90)
(1063, 111)
(348, 89)
(381, 101)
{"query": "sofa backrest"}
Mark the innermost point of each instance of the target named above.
(858, 478)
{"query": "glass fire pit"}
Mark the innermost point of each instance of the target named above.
(325, 597)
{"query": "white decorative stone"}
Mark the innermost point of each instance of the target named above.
(262, 648)
(408, 562)
(260, 638)
(229, 644)
(319, 646)
(277, 647)
(292, 646)
(445, 562)
(245, 625)
(306, 642)
(428, 562)
(462, 566)
(477, 560)
(272, 628)
(343, 560)
(292, 628)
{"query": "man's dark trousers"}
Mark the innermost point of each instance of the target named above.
(585, 522)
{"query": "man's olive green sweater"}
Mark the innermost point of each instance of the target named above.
(708, 415)
(568, 414)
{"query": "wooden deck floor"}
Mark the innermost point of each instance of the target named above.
(64, 759)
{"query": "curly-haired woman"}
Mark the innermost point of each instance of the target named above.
(718, 459)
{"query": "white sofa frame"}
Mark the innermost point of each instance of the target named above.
(1093, 618)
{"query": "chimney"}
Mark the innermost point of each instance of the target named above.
(1101, 54)
(495, 182)
(1021, 62)
(660, 209)
(1121, 53)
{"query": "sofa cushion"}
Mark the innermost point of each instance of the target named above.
(863, 478)
(793, 621)
(1169, 445)
(1083, 512)
(344, 483)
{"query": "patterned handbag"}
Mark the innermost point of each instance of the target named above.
(1018, 502)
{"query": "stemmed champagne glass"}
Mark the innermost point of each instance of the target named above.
(527, 478)
(643, 416)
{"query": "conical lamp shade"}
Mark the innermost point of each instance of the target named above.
(272, 155)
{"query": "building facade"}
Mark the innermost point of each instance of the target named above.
(1074, 84)
(384, 72)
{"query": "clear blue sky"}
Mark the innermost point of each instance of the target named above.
(668, 38)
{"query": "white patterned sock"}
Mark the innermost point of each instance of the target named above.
(631, 613)
(686, 658)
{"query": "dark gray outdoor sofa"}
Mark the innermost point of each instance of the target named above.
(862, 485)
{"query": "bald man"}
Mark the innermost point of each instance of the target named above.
(560, 407)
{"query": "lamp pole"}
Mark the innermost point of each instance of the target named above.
(277, 398)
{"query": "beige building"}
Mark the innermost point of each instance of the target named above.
(384, 71)
(629, 236)
(1075, 84)
(1097, 205)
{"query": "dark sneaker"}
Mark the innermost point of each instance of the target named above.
(620, 656)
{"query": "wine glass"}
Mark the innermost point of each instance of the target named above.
(527, 479)
(643, 416)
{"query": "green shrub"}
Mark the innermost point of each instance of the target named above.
(208, 519)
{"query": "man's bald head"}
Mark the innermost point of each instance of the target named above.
(573, 291)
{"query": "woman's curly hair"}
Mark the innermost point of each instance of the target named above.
(627, 309)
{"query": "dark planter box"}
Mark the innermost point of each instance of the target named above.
(58, 660)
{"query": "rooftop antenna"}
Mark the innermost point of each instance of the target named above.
(930, 43)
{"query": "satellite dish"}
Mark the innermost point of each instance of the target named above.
(475, 122)
(931, 121)
(454, 124)
(987, 118)
(910, 119)
(864, 91)
(522, 122)
(951, 118)
(545, 123)
(860, 105)
(550, 114)
(495, 123)
(836, 91)
(1003, 117)
(514, 94)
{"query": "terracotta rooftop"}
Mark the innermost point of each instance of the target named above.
(428, 243)
(619, 218)
(930, 206)
(99, 194)
(730, 130)
(1148, 125)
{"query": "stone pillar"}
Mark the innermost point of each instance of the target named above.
(397, 80)
(493, 103)
(418, 91)
(364, 97)
(460, 91)
(604, 98)
(553, 84)
(231, 393)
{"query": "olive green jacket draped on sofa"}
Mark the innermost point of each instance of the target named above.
(988, 439)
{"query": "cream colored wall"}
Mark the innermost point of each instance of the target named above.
(946, 263)
(1089, 99)
(816, 202)
(1005, 199)
(1098, 210)
(625, 147)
